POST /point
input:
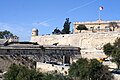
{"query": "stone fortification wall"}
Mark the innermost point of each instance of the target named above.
(67, 39)
(82, 40)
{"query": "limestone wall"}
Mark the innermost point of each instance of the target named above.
(82, 40)
(68, 39)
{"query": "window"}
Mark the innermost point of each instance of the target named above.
(91, 28)
(106, 28)
(98, 28)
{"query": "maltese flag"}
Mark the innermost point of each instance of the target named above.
(101, 8)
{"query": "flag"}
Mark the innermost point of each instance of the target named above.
(101, 8)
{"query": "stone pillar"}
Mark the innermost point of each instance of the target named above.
(71, 60)
(63, 60)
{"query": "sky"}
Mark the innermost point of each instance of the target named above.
(21, 16)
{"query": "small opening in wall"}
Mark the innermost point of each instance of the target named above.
(62, 36)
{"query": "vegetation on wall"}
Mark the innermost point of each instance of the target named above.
(113, 25)
(81, 27)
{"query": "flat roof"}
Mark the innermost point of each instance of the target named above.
(97, 22)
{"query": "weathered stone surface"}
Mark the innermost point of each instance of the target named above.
(82, 40)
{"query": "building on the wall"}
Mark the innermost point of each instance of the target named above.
(97, 26)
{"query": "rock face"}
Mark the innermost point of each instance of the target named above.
(82, 40)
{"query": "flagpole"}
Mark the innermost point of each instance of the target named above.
(100, 8)
(99, 15)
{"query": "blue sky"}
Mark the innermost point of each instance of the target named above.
(20, 16)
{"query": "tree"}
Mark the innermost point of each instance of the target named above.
(56, 77)
(116, 57)
(113, 51)
(12, 72)
(108, 48)
(116, 52)
(97, 71)
(1, 35)
(56, 31)
(18, 72)
(81, 27)
(66, 27)
(92, 69)
(113, 25)
(79, 70)
(116, 44)
(5, 34)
